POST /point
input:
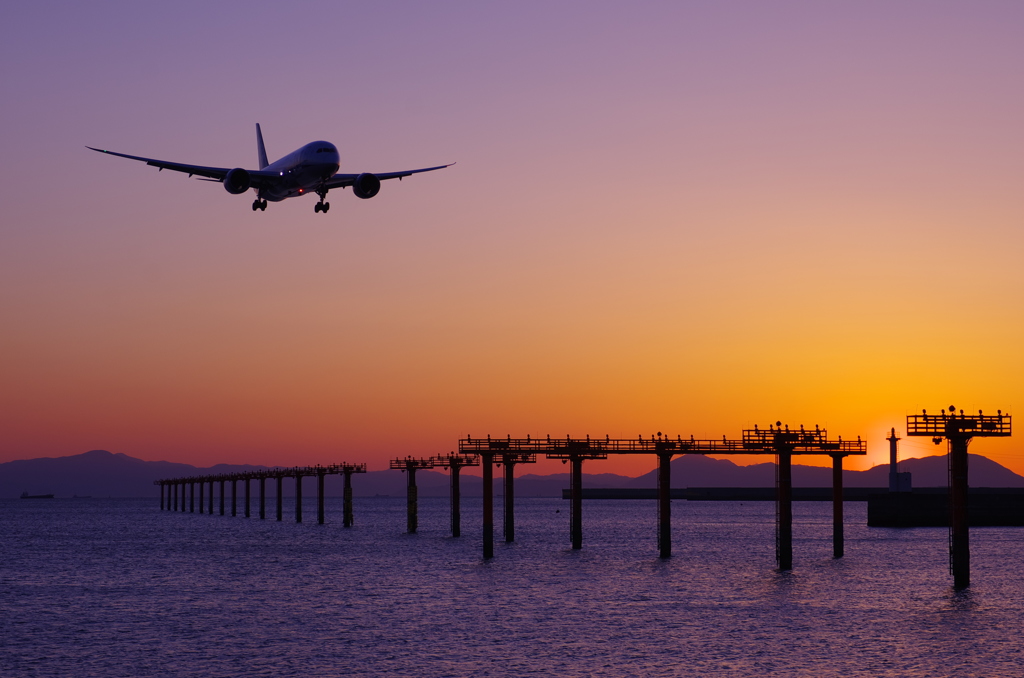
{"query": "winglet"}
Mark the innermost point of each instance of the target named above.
(260, 150)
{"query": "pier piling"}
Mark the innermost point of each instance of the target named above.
(455, 462)
(412, 502)
(222, 497)
(455, 500)
(665, 505)
(234, 497)
(576, 491)
(959, 532)
(510, 499)
(347, 518)
(246, 481)
(192, 497)
(573, 452)
(320, 496)
(837, 506)
(784, 510)
(263, 496)
(280, 499)
(958, 430)
(298, 497)
(488, 528)
(410, 465)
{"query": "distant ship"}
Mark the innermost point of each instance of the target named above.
(26, 495)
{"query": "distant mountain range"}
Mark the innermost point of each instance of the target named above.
(103, 474)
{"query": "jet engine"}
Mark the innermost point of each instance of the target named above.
(366, 186)
(236, 181)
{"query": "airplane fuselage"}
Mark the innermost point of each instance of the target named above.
(302, 171)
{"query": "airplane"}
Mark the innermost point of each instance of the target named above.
(310, 169)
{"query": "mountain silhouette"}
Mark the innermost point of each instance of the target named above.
(100, 473)
(695, 470)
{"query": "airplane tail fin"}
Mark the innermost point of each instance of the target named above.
(260, 148)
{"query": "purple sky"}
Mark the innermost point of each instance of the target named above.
(685, 217)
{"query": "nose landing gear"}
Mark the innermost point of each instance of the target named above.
(259, 205)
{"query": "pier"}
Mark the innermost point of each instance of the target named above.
(410, 465)
(776, 440)
(990, 507)
(959, 430)
(172, 487)
(456, 462)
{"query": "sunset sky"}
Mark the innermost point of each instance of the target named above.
(687, 217)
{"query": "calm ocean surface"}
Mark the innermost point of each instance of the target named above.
(92, 587)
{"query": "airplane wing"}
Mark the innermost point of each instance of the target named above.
(214, 173)
(341, 180)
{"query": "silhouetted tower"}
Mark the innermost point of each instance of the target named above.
(898, 482)
(958, 430)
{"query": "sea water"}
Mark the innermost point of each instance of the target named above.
(92, 587)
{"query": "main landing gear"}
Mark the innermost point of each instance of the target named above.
(259, 205)
(322, 206)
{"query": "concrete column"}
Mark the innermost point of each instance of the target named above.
(347, 518)
(184, 491)
(488, 472)
(411, 501)
(174, 486)
(202, 486)
(298, 497)
(665, 505)
(192, 496)
(456, 498)
(837, 506)
(222, 497)
(263, 497)
(576, 492)
(211, 497)
(234, 497)
(320, 498)
(280, 499)
(959, 532)
(510, 501)
(246, 481)
(784, 511)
